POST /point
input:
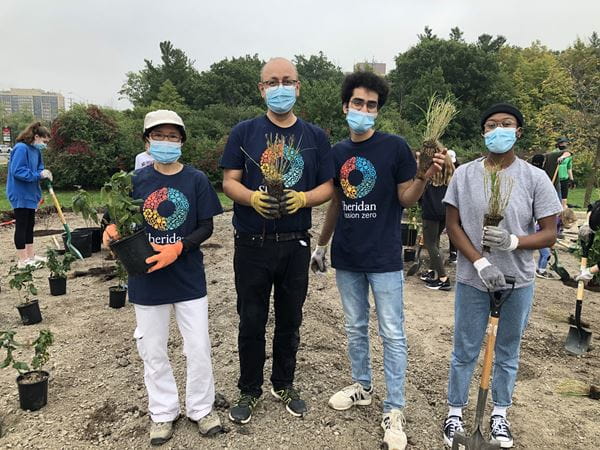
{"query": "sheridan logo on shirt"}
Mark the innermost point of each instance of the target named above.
(359, 210)
(162, 240)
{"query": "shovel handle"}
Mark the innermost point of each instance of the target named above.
(580, 284)
(57, 205)
(488, 356)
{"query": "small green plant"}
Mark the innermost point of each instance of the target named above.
(82, 205)
(413, 216)
(40, 347)
(121, 274)
(59, 266)
(124, 211)
(22, 280)
(498, 187)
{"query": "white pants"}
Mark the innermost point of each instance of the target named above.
(152, 335)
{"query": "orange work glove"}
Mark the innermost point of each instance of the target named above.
(167, 254)
(110, 234)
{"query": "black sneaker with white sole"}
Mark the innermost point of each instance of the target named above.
(439, 284)
(452, 425)
(500, 428)
(241, 412)
(293, 403)
(427, 275)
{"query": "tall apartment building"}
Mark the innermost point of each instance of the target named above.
(378, 68)
(43, 105)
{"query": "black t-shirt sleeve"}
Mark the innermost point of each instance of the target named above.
(326, 167)
(406, 168)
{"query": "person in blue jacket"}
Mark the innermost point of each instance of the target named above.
(25, 170)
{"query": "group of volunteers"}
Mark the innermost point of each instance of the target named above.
(368, 179)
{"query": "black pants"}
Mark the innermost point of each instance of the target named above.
(260, 265)
(24, 222)
(432, 229)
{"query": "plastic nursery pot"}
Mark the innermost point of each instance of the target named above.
(409, 254)
(30, 312)
(96, 237)
(409, 235)
(116, 296)
(33, 389)
(81, 240)
(58, 286)
(132, 251)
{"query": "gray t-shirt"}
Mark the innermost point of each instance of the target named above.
(533, 197)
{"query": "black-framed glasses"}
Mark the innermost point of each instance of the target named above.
(492, 125)
(275, 83)
(158, 136)
(360, 102)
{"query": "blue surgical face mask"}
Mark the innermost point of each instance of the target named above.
(360, 122)
(165, 152)
(500, 139)
(40, 145)
(280, 99)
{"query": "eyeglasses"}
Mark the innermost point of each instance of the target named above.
(274, 83)
(359, 103)
(491, 125)
(156, 136)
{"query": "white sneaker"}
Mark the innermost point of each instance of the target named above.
(351, 395)
(394, 437)
(41, 259)
(160, 432)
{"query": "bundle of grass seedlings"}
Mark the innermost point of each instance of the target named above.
(437, 118)
(498, 187)
(576, 388)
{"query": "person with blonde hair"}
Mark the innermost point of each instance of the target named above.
(25, 171)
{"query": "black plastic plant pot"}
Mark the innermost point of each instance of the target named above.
(33, 389)
(81, 240)
(409, 235)
(58, 286)
(132, 251)
(409, 254)
(96, 237)
(30, 312)
(116, 296)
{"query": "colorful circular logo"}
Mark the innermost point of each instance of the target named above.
(366, 171)
(174, 206)
(291, 158)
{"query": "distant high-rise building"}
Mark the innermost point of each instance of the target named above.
(378, 68)
(43, 105)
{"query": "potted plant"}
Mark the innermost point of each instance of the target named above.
(497, 187)
(133, 247)
(117, 294)
(32, 381)
(82, 205)
(59, 266)
(22, 280)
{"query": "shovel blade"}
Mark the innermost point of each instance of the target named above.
(414, 268)
(578, 340)
(474, 442)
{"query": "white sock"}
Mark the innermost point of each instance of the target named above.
(455, 411)
(499, 411)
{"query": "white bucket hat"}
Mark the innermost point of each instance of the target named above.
(163, 117)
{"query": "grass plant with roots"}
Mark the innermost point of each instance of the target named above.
(497, 187)
(438, 116)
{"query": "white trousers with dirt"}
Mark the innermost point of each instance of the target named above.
(152, 335)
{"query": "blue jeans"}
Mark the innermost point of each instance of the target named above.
(471, 313)
(544, 257)
(387, 289)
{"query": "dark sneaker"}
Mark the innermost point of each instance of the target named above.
(293, 403)
(452, 258)
(545, 274)
(500, 428)
(452, 425)
(241, 412)
(427, 275)
(439, 284)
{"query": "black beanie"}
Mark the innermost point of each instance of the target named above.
(504, 108)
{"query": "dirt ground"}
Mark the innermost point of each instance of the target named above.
(97, 396)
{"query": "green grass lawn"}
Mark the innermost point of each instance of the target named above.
(576, 197)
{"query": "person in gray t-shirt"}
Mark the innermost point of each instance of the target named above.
(512, 243)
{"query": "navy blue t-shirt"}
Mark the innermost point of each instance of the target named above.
(367, 235)
(173, 207)
(311, 166)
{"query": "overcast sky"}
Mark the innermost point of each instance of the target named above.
(84, 48)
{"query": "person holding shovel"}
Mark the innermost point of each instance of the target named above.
(594, 224)
(511, 243)
(25, 171)
(179, 205)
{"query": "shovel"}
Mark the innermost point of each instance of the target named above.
(579, 338)
(561, 271)
(417, 264)
(70, 246)
(476, 440)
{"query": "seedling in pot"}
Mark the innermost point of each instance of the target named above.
(497, 187)
(82, 205)
(58, 265)
(437, 118)
(117, 294)
(125, 212)
(22, 280)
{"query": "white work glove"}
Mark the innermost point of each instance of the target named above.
(46, 174)
(499, 238)
(489, 274)
(318, 260)
(584, 275)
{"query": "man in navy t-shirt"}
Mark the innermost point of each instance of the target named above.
(276, 167)
(374, 180)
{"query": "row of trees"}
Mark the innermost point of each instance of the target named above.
(558, 93)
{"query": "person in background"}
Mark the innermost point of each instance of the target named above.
(452, 255)
(179, 206)
(433, 213)
(588, 273)
(25, 170)
(144, 158)
(565, 170)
